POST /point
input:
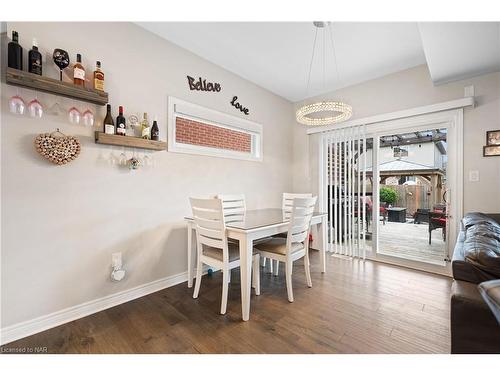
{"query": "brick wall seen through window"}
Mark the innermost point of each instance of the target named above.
(197, 133)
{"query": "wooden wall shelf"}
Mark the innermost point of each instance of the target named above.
(53, 86)
(120, 140)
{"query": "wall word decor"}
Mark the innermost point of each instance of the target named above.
(57, 149)
(203, 85)
(237, 105)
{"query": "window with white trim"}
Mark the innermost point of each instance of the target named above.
(197, 130)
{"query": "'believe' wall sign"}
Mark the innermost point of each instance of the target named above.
(237, 105)
(203, 85)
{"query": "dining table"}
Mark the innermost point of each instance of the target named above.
(255, 224)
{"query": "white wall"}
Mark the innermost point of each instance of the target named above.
(60, 224)
(408, 89)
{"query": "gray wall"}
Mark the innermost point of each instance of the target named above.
(60, 224)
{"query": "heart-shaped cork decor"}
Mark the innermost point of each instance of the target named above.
(57, 149)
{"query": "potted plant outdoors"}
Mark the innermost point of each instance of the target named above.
(388, 195)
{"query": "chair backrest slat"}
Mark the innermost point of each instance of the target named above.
(234, 207)
(300, 219)
(210, 224)
(287, 203)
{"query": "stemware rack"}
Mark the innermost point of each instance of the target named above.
(54, 86)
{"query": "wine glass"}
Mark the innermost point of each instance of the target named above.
(88, 118)
(17, 105)
(35, 108)
(61, 59)
(74, 115)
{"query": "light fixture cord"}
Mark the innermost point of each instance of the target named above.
(334, 54)
(324, 57)
(312, 59)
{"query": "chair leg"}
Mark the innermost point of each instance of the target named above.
(199, 268)
(307, 269)
(256, 274)
(225, 287)
(288, 275)
(430, 235)
(276, 267)
(270, 264)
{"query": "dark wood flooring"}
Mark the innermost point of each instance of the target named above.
(356, 307)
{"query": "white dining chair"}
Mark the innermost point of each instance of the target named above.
(234, 207)
(286, 206)
(295, 245)
(213, 247)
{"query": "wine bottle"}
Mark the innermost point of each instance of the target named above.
(120, 122)
(109, 126)
(15, 52)
(145, 129)
(155, 132)
(79, 71)
(35, 59)
(98, 77)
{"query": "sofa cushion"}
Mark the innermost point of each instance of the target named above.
(482, 247)
(473, 218)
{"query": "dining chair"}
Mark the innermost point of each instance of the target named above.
(234, 207)
(296, 243)
(286, 206)
(213, 247)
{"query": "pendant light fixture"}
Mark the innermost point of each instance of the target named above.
(323, 112)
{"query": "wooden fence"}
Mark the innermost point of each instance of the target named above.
(412, 197)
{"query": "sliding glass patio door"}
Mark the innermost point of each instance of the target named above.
(393, 190)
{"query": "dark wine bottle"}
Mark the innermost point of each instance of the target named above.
(15, 52)
(120, 122)
(155, 132)
(109, 126)
(35, 60)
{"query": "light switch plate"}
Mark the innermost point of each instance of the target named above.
(474, 176)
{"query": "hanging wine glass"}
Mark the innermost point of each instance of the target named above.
(55, 109)
(61, 59)
(88, 118)
(17, 105)
(123, 159)
(35, 108)
(74, 115)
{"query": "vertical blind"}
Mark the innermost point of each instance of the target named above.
(346, 190)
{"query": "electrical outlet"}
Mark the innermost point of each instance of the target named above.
(474, 176)
(116, 260)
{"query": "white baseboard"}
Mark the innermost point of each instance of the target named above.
(30, 327)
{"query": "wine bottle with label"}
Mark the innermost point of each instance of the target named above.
(98, 77)
(120, 122)
(79, 71)
(35, 59)
(145, 129)
(109, 126)
(155, 132)
(15, 52)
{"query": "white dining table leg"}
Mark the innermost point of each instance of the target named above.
(190, 255)
(246, 250)
(324, 241)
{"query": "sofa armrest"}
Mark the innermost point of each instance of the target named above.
(490, 291)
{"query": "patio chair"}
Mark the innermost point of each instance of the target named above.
(437, 220)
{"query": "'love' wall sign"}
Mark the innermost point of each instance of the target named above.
(237, 105)
(202, 85)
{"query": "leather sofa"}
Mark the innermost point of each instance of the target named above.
(476, 260)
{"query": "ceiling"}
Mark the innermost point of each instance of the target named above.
(278, 55)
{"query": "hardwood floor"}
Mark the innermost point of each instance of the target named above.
(356, 307)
